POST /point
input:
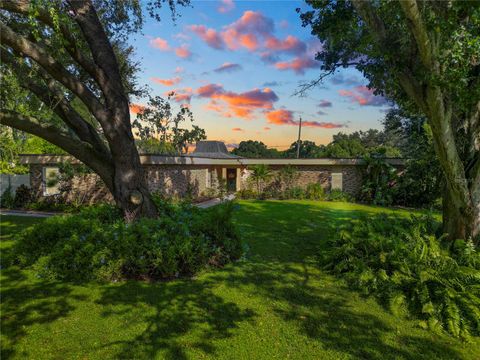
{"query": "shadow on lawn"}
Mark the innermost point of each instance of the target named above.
(318, 304)
(174, 309)
(26, 303)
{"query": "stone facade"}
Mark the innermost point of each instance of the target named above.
(196, 177)
(307, 174)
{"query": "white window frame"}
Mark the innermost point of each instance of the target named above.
(54, 190)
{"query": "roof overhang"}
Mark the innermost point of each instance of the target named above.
(192, 160)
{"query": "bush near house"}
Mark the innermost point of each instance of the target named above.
(410, 270)
(97, 244)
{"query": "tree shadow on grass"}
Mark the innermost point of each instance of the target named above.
(173, 309)
(26, 303)
(320, 306)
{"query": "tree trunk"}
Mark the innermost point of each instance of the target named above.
(130, 189)
(460, 223)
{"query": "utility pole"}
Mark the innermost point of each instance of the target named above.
(299, 135)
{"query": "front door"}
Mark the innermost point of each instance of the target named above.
(231, 180)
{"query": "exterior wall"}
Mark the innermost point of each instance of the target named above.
(14, 181)
(180, 179)
(352, 176)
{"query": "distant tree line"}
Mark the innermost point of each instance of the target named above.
(401, 137)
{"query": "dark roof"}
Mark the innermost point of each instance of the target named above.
(212, 149)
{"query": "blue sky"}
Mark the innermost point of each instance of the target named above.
(237, 65)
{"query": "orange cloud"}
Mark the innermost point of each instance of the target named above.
(237, 129)
(136, 108)
(248, 41)
(181, 95)
(183, 52)
(166, 82)
(238, 104)
(266, 128)
(160, 44)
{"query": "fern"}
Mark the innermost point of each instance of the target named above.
(408, 269)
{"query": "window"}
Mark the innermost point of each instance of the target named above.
(337, 181)
(50, 181)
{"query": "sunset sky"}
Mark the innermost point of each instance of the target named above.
(238, 63)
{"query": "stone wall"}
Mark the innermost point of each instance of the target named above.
(195, 180)
(307, 174)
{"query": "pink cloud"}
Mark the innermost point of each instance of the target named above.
(237, 104)
(290, 44)
(226, 6)
(237, 129)
(210, 36)
(160, 44)
(166, 82)
(363, 96)
(228, 67)
(209, 90)
(266, 128)
(298, 65)
(285, 117)
(179, 70)
(183, 52)
(181, 95)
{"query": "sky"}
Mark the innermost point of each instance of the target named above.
(237, 65)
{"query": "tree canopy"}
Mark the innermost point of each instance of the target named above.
(423, 55)
(68, 63)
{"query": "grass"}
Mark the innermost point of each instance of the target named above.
(275, 304)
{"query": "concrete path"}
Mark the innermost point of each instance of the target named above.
(44, 214)
(29, 213)
(213, 202)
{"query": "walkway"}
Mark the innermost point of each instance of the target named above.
(44, 214)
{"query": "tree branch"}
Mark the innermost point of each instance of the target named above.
(24, 47)
(81, 150)
(22, 7)
(418, 30)
(51, 93)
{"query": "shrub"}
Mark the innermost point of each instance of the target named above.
(295, 192)
(246, 194)
(339, 195)
(408, 268)
(379, 180)
(97, 244)
(315, 191)
(23, 196)
(7, 198)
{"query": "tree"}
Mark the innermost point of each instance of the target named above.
(157, 121)
(66, 51)
(308, 150)
(423, 56)
(255, 149)
(260, 174)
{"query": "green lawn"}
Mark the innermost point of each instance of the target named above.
(275, 304)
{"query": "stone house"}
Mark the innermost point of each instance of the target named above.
(197, 173)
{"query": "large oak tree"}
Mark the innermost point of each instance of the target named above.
(76, 74)
(424, 55)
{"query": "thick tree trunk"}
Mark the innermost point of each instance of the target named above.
(130, 189)
(460, 223)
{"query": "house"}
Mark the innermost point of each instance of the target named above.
(198, 172)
